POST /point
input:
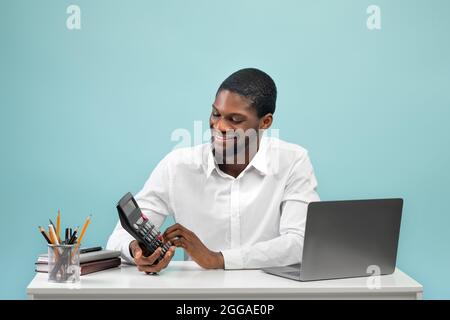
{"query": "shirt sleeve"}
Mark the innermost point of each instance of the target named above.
(287, 248)
(154, 202)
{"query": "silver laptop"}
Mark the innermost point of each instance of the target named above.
(346, 239)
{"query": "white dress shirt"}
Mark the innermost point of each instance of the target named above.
(256, 219)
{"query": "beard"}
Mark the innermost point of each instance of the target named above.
(235, 147)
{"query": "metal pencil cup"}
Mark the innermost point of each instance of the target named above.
(63, 263)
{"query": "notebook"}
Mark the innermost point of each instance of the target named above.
(86, 257)
(87, 267)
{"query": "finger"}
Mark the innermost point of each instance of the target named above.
(167, 257)
(176, 226)
(171, 251)
(137, 253)
(174, 234)
(150, 259)
(160, 265)
(173, 228)
(148, 269)
(180, 243)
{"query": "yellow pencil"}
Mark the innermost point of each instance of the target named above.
(88, 220)
(58, 223)
(53, 240)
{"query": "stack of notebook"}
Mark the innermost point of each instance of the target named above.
(92, 261)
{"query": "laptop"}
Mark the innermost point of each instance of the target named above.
(346, 239)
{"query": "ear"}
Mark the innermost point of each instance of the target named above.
(266, 121)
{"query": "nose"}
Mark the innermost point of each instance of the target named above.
(220, 125)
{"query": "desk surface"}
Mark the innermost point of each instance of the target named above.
(185, 279)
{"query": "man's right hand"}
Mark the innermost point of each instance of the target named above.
(146, 264)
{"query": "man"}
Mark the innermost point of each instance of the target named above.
(238, 202)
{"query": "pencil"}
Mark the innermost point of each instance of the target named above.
(53, 240)
(50, 236)
(53, 235)
(58, 224)
(51, 222)
(42, 231)
(88, 220)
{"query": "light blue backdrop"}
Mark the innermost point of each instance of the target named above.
(86, 115)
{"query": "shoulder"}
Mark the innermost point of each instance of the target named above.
(285, 158)
(287, 151)
(192, 157)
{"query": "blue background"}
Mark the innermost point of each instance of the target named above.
(86, 115)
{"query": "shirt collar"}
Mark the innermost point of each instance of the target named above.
(211, 162)
(259, 161)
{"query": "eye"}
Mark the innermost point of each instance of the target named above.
(236, 120)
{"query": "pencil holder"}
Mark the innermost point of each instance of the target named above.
(63, 263)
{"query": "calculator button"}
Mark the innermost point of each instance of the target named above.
(155, 242)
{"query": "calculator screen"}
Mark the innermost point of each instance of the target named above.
(129, 207)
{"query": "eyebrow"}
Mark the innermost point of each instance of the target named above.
(231, 114)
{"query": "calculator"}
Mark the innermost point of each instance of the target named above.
(136, 224)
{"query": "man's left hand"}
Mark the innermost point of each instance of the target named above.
(182, 237)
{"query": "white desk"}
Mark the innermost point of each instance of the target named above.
(186, 280)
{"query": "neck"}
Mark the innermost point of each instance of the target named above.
(234, 164)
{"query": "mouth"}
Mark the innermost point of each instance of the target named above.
(222, 138)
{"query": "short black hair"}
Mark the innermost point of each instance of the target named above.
(254, 85)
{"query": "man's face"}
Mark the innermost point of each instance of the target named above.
(232, 118)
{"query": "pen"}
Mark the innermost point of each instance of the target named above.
(44, 234)
(66, 240)
(86, 250)
(58, 224)
(73, 236)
